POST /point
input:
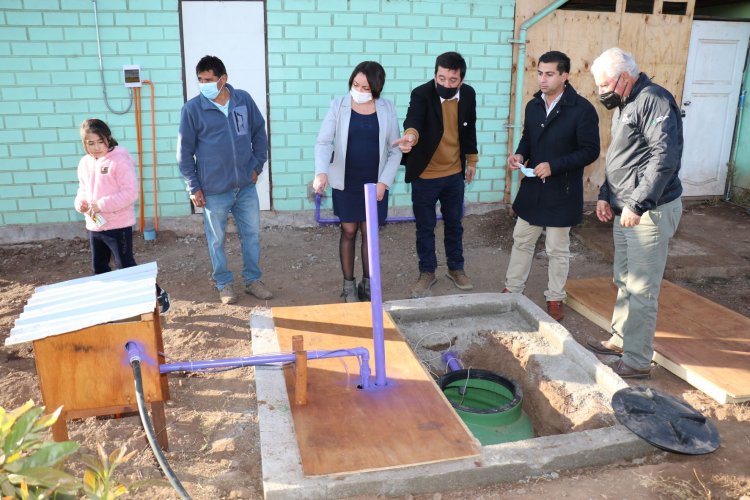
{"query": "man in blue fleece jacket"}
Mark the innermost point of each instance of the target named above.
(221, 149)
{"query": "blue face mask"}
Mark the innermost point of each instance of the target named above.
(209, 90)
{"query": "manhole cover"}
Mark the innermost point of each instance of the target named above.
(665, 421)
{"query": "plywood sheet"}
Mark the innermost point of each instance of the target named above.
(658, 42)
(344, 429)
(88, 369)
(700, 341)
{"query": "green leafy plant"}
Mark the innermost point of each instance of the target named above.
(98, 480)
(29, 466)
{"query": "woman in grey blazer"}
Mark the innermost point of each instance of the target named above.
(354, 148)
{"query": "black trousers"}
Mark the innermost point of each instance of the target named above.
(117, 243)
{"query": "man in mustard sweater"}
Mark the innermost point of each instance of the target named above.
(440, 152)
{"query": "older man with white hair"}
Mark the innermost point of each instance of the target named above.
(641, 192)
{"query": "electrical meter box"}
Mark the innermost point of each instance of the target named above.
(132, 74)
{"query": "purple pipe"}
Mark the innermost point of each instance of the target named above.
(335, 220)
(376, 297)
(451, 360)
(133, 350)
(264, 359)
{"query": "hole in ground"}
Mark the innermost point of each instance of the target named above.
(560, 395)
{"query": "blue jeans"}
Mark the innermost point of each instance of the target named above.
(425, 193)
(245, 208)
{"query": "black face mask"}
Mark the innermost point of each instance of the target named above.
(611, 99)
(445, 92)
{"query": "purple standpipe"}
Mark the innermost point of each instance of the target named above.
(376, 297)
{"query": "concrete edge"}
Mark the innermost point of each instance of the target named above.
(280, 457)
(489, 303)
(283, 476)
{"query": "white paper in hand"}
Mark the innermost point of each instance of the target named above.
(528, 172)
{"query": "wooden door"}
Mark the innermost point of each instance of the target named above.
(235, 33)
(713, 77)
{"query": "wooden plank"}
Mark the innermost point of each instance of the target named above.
(704, 343)
(570, 32)
(659, 45)
(658, 42)
(344, 429)
(89, 369)
(88, 374)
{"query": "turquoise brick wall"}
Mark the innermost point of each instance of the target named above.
(313, 45)
(51, 83)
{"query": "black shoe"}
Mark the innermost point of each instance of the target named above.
(163, 300)
(625, 371)
(604, 347)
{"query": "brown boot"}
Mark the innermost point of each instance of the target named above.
(459, 278)
(555, 309)
(422, 287)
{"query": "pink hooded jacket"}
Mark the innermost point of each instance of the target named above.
(110, 181)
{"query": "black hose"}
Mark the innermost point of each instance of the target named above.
(151, 433)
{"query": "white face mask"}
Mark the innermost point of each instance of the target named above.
(360, 97)
(210, 89)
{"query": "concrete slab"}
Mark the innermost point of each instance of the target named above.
(281, 463)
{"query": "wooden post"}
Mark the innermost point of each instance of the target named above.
(60, 429)
(300, 371)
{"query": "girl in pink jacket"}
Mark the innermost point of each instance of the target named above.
(107, 192)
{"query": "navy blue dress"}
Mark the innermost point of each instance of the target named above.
(361, 167)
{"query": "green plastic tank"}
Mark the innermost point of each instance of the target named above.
(489, 404)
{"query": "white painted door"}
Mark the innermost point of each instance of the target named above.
(713, 77)
(235, 33)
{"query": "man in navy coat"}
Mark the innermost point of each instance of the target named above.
(560, 137)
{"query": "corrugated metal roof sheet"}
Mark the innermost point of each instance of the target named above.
(83, 302)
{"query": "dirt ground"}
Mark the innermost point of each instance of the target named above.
(212, 418)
